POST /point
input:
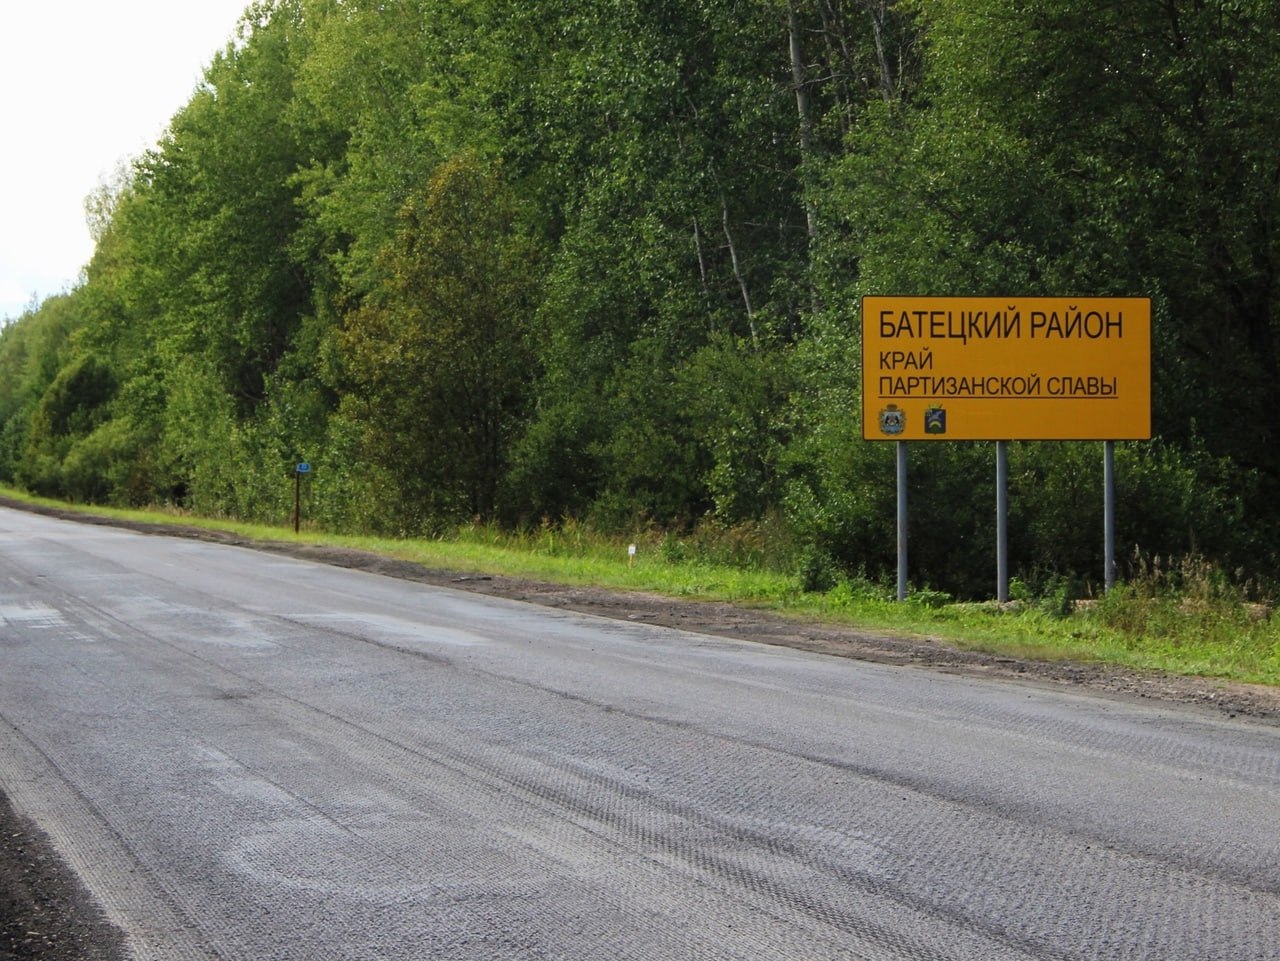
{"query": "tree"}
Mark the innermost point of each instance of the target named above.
(71, 408)
(662, 139)
(33, 350)
(437, 358)
(220, 193)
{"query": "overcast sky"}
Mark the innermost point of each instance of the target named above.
(85, 85)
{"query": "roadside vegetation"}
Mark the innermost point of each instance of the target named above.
(1187, 618)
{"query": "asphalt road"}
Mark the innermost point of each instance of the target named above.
(245, 756)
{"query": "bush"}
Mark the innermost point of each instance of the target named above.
(817, 570)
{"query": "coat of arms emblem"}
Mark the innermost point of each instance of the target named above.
(893, 420)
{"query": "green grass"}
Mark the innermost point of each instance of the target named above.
(1183, 621)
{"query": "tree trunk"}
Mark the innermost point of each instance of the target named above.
(802, 107)
(737, 272)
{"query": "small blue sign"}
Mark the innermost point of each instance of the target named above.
(304, 468)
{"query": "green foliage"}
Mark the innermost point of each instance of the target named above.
(816, 570)
(929, 598)
(436, 358)
(110, 464)
(679, 238)
(72, 407)
(735, 392)
(33, 350)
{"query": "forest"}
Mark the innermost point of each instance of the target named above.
(601, 262)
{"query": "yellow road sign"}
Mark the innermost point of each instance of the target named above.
(1019, 368)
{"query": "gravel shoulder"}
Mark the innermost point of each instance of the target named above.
(45, 914)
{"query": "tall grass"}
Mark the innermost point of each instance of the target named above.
(1188, 615)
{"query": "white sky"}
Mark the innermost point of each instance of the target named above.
(85, 85)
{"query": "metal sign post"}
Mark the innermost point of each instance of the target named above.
(1002, 521)
(902, 520)
(297, 494)
(1109, 513)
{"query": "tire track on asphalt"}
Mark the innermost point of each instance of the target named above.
(492, 777)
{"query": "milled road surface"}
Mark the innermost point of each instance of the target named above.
(245, 756)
